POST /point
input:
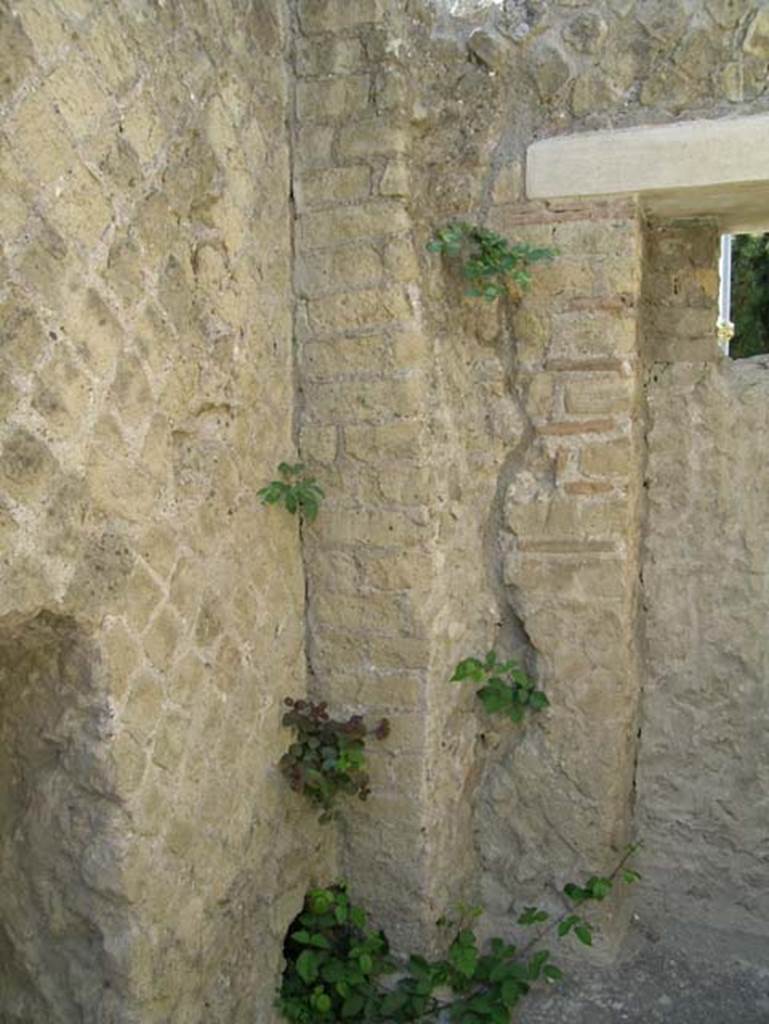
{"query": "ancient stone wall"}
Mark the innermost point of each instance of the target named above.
(372, 426)
(151, 611)
(214, 217)
(702, 780)
(493, 454)
(62, 832)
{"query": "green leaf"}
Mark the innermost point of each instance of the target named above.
(567, 924)
(309, 508)
(520, 678)
(495, 699)
(322, 1002)
(333, 971)
(470, 668)
(393, 1002)
(320, 901)
(463, 954)
(584, 934)
(552, 973)
(575, 893)
(532, 915)
(418, 966)
(599, 888)
(352, 1005)
(537, 962)
(307, 966)
(272, 493)
(510, 992)
(629, 876)
(538, 700)
(358, 917)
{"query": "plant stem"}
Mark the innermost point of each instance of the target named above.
(570, 910)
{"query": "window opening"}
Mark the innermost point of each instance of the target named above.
(743, 308)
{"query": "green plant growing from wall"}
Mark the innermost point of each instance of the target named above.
(296, 491)
(335, 964)
(489, 261)
(328, 757)
(506, 688)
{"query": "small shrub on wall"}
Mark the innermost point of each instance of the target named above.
(489, 262)
(328, 757)
(296, 491)
(506, 689)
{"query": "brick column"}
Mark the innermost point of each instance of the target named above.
(364, 382)
(408, 420)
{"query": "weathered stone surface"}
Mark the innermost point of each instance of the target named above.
(64, 831)
(727, 13)
(147, 393)
(336, 15)
(167, 331)
(705, 702)
(757, 38)
(550, 70)
(664, 20)
(490, 48)
(592, 93)
(586, 32)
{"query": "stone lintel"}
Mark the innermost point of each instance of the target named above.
(707, 168)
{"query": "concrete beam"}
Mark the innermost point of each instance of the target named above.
(717, 168)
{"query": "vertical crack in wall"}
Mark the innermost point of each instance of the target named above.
(512, 628)
(292, 37)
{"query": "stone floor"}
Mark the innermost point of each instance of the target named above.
(682, 977)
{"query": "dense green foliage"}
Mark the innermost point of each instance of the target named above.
(489, 261)
(328, 757)
(298, 492)
(750, 295)
(338, 969)
(506, 690)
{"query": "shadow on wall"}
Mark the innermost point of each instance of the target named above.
(60, 886)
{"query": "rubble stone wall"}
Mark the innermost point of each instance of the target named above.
(214, 216)
(527, 417)
(151, 611)
(493, 454)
